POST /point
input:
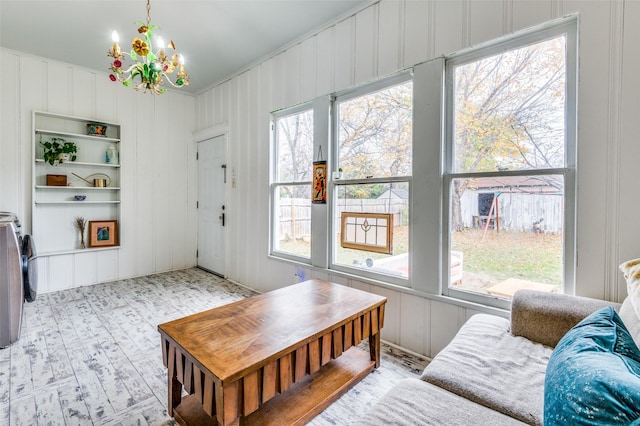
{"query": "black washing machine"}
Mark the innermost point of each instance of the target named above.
(18, 276)
(29, 268)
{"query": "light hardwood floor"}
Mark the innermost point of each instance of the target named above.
(91, 355)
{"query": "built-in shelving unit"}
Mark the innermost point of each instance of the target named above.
(55, 208)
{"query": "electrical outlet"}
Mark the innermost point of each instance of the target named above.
(300, 274)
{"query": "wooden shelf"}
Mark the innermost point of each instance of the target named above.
(77, 202)
(303, 401)
(80, 163)
(74, 251)
(76, 188)
(77, 135)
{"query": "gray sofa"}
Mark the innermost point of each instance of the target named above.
(493, 371)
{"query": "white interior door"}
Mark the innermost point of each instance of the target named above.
(212, 176)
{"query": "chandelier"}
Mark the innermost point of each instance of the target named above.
(149, 70)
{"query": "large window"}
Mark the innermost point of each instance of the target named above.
(291, 183)
(364, 226)
(474, 199)
(373, 154)
(509, 180)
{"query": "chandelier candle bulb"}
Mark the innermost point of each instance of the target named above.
(116, 38)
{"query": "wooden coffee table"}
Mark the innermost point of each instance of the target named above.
(275, 358)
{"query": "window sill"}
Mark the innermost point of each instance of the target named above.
(476, 306)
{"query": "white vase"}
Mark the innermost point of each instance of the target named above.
(112, 155)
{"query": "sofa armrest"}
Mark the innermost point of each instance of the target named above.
(545, 317)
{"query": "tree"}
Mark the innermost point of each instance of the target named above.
(375, 133)
(375, 140)
(509, 114)
(295, 152)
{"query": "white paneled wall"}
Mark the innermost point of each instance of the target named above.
(397, 34)
(157, 218)
(158, 214)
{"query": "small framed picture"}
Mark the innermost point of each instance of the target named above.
(319, 182)
(103, 233)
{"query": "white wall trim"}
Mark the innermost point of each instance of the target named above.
(612, 196)
(210, 132)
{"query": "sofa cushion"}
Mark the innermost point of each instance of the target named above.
(630, 311)
(545, 317)
(415, 402)
(593, 376)
(488, 365)
(630, 319)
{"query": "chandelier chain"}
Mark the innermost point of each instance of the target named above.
(148, 12)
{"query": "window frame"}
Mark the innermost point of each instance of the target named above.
(430, 180)
(322, 215)
(569, 28)
(274, 183)
(364, 90)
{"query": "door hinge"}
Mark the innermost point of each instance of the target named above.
(197, 253)
(197, 155)
(197, 204)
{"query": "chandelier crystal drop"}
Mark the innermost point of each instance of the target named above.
(150, 69)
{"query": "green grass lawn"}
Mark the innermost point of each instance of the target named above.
(487, 260)
(346, 256)
(523, 255)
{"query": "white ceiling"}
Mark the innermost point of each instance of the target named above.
(217, 38)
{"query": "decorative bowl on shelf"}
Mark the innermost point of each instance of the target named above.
(96, 129)
(79, 197)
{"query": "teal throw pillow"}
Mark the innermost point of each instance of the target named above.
(593, 375)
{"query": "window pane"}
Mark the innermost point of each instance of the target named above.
(509, 110)
(374, 133)
(292, 217)
(295, 147)
(507, 234)
(371, 230)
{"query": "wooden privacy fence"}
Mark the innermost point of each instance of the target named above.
(294, 218)
(295, 214)
(517, 211)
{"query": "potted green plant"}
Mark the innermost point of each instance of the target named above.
(58, 151)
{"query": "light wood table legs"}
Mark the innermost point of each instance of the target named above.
(306, 398)
(289, 390)
(374, 349)
(175, 387)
